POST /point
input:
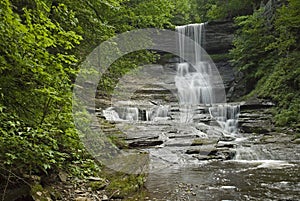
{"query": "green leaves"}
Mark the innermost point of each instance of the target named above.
(287, 26)
(36, 88)
(267, 52)
(207, 10)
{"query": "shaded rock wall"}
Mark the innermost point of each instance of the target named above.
(218, 41)
(218, 36)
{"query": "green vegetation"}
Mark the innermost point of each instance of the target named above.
(37, 133)
(266, 49)
(42, 44)
(122, 188)
(207, 10)
(267, 52)
(220, 57)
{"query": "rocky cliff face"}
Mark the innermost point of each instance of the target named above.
(218, 41)
(218, 36)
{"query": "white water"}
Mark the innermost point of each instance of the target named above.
(130, 113)
(198, 84)
(227, 116)
(195, 83)
(157, 113)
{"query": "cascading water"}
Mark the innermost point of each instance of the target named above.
(157, 113)
(195, 83)
(227, 116)
(135, 114)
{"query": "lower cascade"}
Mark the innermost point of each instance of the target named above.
(227, 116)
(191, 138)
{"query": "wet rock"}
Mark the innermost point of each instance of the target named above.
(63, 176)
(83, 199)
(256, 104)
(182, 136)
(296, 141)
(228, 154)
(175, 143)
(227, 73)
(174, 60)
(216, 154)
(276, 138)
(254, 128)
(219, 36)
(105, 197)
(193, 151)
(203, 157)
(145, 143)
(142, 138)
(227, 138)
(202, 151)
(224, 144)
(204, 141)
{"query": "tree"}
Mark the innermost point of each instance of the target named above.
(206, 10)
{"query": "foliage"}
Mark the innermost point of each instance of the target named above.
(267, 52)
(207, 10)
(37, 133)
(252, 40)
(92, 22)
(42, 44)
(181, 12)
(125, 186)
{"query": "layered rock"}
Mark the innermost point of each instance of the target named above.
(218, 36)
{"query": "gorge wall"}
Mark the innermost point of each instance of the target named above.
(219, 37)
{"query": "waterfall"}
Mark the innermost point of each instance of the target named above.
(193, 82)
(226, 115)
(196, 83)
(196, 33)
(129, 113)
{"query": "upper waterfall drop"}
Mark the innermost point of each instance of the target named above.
(197, 33)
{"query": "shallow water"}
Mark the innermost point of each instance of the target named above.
(259, 171)
(230, 180)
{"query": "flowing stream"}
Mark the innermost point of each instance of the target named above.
(196, 151)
